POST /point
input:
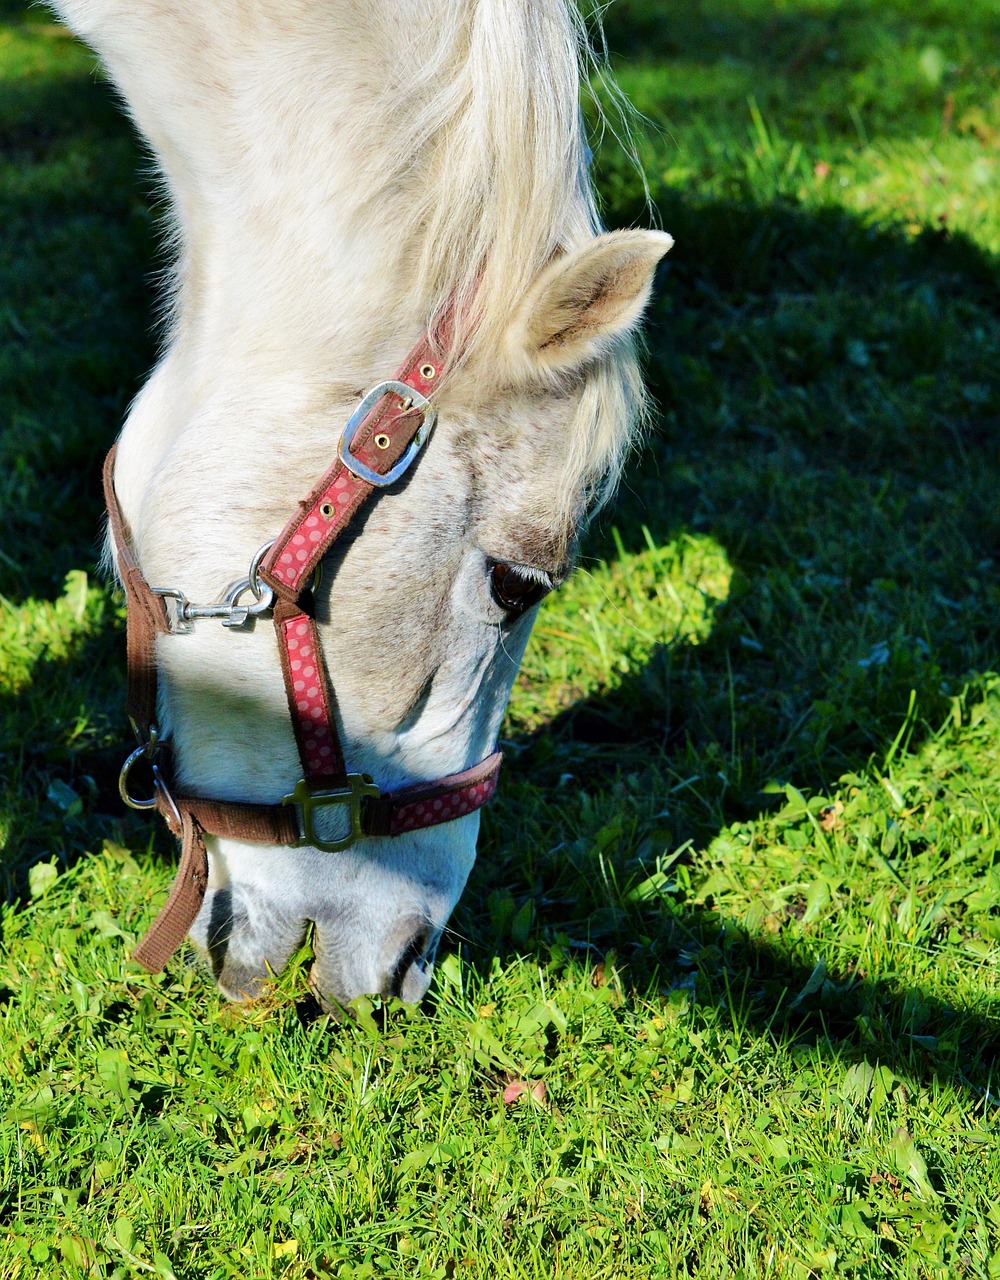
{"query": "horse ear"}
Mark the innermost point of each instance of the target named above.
(585, 299)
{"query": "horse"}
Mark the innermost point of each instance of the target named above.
(350, 182)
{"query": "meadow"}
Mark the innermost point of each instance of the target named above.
(734, 933)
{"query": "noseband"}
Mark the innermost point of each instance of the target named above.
(381, 440)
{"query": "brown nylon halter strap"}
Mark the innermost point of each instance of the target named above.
(146, 614)
(183, 903)
(146, 617)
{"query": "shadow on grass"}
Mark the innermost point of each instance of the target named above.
(61, 746)
(827, 421)
(74, 326)
(832, 422)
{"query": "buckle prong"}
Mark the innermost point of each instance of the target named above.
(359, 785)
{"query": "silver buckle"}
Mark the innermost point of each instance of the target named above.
(358, 786)
(354, 422)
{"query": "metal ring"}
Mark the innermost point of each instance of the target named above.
(140, 753)
(256, 586)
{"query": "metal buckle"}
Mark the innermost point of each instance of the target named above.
(354, 422)
(358, 786)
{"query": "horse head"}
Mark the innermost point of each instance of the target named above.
(329, 214)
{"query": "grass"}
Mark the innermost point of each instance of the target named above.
(738, 907)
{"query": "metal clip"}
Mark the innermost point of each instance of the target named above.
(232, 613)
(358, 786)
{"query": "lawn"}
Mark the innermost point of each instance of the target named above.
(736, 916)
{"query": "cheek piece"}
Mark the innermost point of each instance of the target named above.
(381, 440)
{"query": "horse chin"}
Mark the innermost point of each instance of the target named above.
(375, 924)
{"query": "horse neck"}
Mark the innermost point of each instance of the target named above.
(280, 291)
(334, 169)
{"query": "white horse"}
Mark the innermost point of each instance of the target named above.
(342, 173)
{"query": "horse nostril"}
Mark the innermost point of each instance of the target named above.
(414, 952)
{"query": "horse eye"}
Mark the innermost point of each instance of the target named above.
(514, 589)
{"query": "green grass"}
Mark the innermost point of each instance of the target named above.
(738, 905)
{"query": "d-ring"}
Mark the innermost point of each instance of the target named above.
(140, 753)
(145, 752)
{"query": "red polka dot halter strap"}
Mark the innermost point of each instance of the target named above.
(382, 438)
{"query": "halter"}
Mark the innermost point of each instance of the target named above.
(381, 440)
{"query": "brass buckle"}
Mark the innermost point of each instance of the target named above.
(358, 786)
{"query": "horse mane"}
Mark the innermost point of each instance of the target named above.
(488, 131)
(486, 134)
(510, 187)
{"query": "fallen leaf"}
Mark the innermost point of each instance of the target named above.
(829, 816)
(517, 1087)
